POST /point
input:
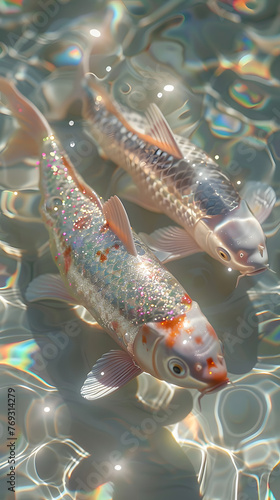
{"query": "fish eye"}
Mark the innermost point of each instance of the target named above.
(176, 367)
(198, 367)
(53, 204)
(223, 254)
(241, 254)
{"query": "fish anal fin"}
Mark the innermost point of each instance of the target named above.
(118, 221)
(112, 371)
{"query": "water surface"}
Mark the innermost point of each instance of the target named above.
(213, 69)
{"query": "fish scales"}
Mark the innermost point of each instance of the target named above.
(192, 187)
(106, 268)
(138, 292)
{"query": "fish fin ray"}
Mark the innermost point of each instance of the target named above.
(118, 369)
(260, 198)
(118, 221)
(170, 243)
(159, 133)
(159, 129)
(48, 287)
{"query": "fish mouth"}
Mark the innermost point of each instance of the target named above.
(258, 271)
(213, 389)
(252, 273)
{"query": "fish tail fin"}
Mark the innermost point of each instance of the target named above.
(33, 126)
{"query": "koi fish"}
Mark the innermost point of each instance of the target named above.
(105, 267)
(167, 173)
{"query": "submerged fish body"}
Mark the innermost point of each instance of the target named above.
(108, 269)
(139, 303)
(176, 177)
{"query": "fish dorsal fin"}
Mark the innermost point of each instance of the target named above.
(158, 132)
(159, 129)
(112, 371)
(118, 221)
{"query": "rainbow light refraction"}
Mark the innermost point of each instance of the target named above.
(103, 492)
(19, 355)
(10, 6)
(71, 56)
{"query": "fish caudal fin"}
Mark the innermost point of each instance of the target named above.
(33, 126)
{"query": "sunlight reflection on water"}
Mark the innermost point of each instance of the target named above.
(212, 64)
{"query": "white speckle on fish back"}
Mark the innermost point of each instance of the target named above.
(92, 299)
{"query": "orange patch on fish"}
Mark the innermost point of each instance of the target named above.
(198, 340)
(115, 325)
(101, 255)
(144, 339)
(210, 365)
(83, 222)
(211, 331)
(145, 329)
(104, 228)
(67, 259)
(173, 328)
(186, 299)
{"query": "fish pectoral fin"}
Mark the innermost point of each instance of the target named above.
(260, 198)
(48, 286)
(170, 243)
(122, 184)
(118, 221)
(112, 371)
(159, 130)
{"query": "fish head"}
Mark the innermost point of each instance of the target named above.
(237, 240)
(184, 351)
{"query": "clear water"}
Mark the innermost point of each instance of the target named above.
(210, 63)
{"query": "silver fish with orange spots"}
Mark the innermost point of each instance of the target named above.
(167, 173)
(106, 267)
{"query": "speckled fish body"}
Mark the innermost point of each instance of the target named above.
(127, 294)
(116, 287)
(181, 180)
(108, 269)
